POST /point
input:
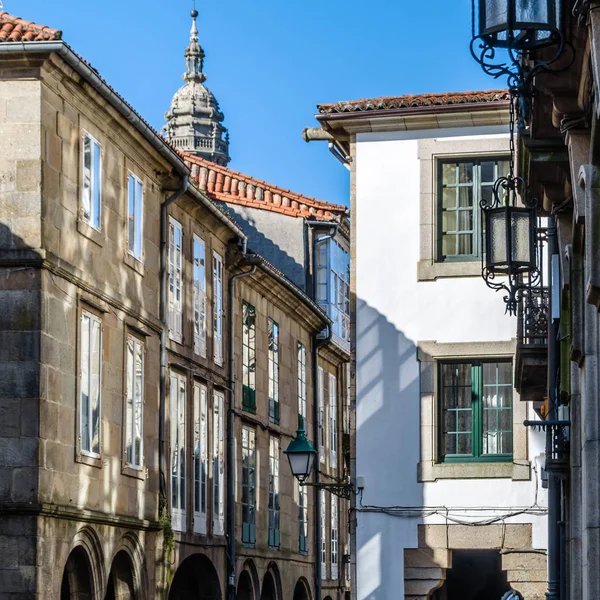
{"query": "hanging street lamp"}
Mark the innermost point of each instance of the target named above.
(510, 240)
(301, 455)
(505, 33)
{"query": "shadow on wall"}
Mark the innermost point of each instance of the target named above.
(265, 246)
(388, 451)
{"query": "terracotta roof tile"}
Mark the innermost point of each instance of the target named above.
(226, 185)
(412, 100)
(15, 29)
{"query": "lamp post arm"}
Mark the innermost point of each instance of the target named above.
(342, 490)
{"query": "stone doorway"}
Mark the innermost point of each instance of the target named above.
(120, 580)
(77, 577)
(300, 591)
(195, 579)
(474, 575)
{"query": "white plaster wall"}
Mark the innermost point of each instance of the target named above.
(394, 311)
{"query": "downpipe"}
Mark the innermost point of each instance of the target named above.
(253, 261)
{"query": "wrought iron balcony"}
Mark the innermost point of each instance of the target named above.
(557, 444)
(532, 344)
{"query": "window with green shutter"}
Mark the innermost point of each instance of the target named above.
(248, 486)
(248, 357)
(476, 411)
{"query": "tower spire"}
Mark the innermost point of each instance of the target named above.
(194, 54)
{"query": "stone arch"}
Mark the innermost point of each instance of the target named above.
(131, 546)
(271, 585)
(84, 567)
(195, 579)
(302, 590)
(121, 584)
(248, 582)
(77, 579)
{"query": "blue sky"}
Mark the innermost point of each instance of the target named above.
(269, 62)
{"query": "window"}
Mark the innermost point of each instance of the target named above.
(199, 296)
(476, 411)
(332, 421)
(91, 382)
(334, 537)
(91, 190)
(273, 331)
(249, 486)
(462, 185)
(218, 465)
(301, 386)
(333, 286)
(274, 492)
(135, 216)
(248, 357)
(175, 280)
(218, 308)
(200, 457)
(323, 501)
(134, 417)
(302, 518)
(178, 442)
(321, 391)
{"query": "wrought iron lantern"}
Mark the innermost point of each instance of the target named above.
(517, 27)
(301, 455)
(510, 239)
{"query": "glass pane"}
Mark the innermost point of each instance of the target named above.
(449, 173)
(520, 236)
(129, 413)
(465, 172)
(464, 420)
(465, 244)
(448, 221)
(465, 197)
(503, 168)
(531, 11)
(496, 13)
(497, 237)
(87, 178)
(131, 214)
(449, 245)
(487, 171)
(487, 194)
(450, 445)
(465, 220)
(464, 444)
(449, 197)
(504, 373)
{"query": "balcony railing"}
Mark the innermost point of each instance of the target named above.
(532, 315)
(557, 444)
(532, 344)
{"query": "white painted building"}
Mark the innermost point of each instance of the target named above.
(452, 504)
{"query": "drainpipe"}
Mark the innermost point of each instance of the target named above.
(317, 343)
(554, 483)
(253, 261)
(164, 331)
(311, 134)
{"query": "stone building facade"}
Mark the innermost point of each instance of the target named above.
(116, 383)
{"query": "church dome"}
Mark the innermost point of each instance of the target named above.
(194, 120)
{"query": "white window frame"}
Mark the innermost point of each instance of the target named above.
(274, 491)
(199, 276)
(333, 433)
(134, 425)
(86, 376)
(218, 308)
(302, 517)
(321, 400)
(323, 508)
(175, 281)
(91, 191)
(200, 457)
(218, 464)
(334, 537)
(178, 448)
(302, 385)
(135, 213)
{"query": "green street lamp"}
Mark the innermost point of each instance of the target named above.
(301, 454)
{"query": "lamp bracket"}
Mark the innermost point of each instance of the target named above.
(342, 490)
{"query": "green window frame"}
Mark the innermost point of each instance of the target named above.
(462, 185)
(248, 358)
(248, 486)
(273, 333)
(475, 410)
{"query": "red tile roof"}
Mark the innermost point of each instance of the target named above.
(15, 29)
(412, 100)
(227, 185)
